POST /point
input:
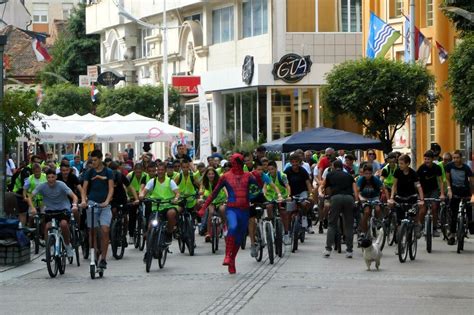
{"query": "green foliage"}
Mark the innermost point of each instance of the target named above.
(461, 81)
(72, 51)
(18, 107)
(145, 100)
(379, 94)
(228, 144)
(66, 99)
(463, 25)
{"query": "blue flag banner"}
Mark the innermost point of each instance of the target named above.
(381, 37)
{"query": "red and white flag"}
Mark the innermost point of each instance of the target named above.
(442, 53)
(94, 92)
(39, 49)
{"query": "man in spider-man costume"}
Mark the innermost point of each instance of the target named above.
(237, 184)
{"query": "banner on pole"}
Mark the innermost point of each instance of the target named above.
(205, 133)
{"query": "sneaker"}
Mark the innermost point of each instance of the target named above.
(310, 230)
(321, 230)
(103, 264)
(348, 254)
(418, 231)
(436, 233)
(286, 239)
(327, 253)
(253, 250)
(69, 251)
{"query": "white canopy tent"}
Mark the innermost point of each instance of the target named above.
(115, 128)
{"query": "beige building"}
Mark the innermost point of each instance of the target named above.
(45, 12)
(210, 40)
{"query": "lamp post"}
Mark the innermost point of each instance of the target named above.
(412, 60)
(3, 178)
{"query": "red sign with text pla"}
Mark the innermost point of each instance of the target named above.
(186, 85)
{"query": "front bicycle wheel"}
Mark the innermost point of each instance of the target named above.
(444, 221)
(403, 243)
(279, 238)
(37, 234)
(413, 243)
(295, 227)
(428, 234)
(190, 239)
(259, 243)
(149, 250)
(62, 258)
(269, 237)
(162, 250)
(460, 234)
(214, 237)
(136, 232)
(392, 229)
(116, 239)
(143, 229)
(85, 245)
(51, 262)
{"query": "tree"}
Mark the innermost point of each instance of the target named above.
(461, 81)
(66, 99)
(459, 12)
(379, 94)
(18, 107)
(73, 51)
(145, 100)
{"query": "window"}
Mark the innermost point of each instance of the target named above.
(429, 12)
(396, 8)
(254, 17)
(144, 46)
(462, 138)
(432, 126)
(195, 17)
(67, 10)
(40, 13)
(223, 25)
(241, 115)
(324, 16)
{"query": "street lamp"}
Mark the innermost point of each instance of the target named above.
(3, 177)
(164, 28)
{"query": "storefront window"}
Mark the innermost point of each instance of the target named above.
(293, 110)
(241, 115)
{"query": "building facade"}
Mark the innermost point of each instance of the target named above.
(438, 126)
(15, 14)
(261, 62)
(45, 12)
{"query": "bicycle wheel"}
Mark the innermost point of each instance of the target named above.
(413, 243)
(163, 251)
(244, 240)
(302, 235)
(279, 238)
(403, 243)
(143, 229)
(116, 239)
(294, 234)
(269, 237)
(149, 250)
(428, 234)
(444, 222)
(37, 234)
(136, 232)
(85, 245)
(62, 258)
(460, 234)
(392, 229)
(259, 243)
(76, 251)
(214, 237)
(190, 240)
(51, 262)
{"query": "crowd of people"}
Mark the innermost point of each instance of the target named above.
(330, 183)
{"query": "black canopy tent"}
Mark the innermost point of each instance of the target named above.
(321, 138)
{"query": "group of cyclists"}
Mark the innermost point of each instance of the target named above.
(326, 184)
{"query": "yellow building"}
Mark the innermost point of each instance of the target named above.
(438, 126)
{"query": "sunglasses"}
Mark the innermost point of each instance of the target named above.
(370, 153)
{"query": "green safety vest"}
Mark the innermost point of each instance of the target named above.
(164, 192)
(136, 182)
(315, 158)
(219, 171)
(186, 187)
(31, 180)
(198, 176)
(221, 196)
(443, 174)
(388, 181)
(271, 194)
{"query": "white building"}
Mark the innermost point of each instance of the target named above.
(210, 39)
(44, 13)
(14, 13)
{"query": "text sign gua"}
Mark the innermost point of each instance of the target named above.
(292, 68)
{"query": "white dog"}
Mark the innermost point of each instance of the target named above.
(371, 251)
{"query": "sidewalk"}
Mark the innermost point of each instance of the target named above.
(11, 272)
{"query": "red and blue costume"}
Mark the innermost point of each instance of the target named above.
(237, 184)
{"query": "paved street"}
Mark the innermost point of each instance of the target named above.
(301, 283)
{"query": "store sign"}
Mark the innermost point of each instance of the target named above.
(186, 85)
(247, 70)
(84, 81)
(292, 68)
(109, 78)
(93, 73)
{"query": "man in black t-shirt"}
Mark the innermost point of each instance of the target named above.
(431, 181)
(66, 175)
(300, 185)
(343, 190)
(406, 185)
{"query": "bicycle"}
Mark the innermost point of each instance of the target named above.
(279, 230)
(55, 257)
(157, 247)
(297, 227)
(76, 239)
(186, 229)
(94, 268)
(37, 232)
(407, 240)
(462, 222)
(445, 219)
(428, 224)
(118, 231)
(264, 234)
(140, 228)
(390, 226)
(374, 224)
(216, 230)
